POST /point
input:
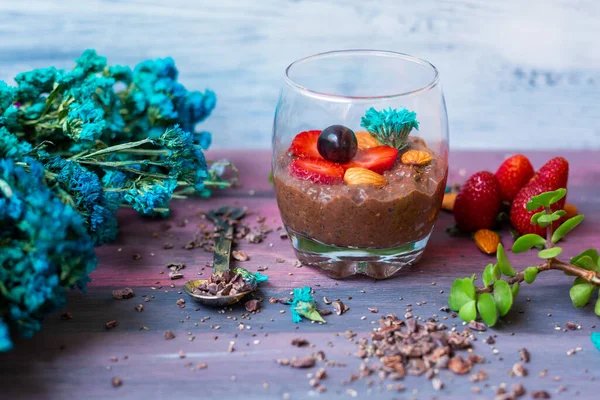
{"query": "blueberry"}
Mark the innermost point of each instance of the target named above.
(337, 144)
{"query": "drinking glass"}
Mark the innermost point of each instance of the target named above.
(339, 226)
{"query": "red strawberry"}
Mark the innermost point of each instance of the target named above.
(317, 171)
(513, 174)
(305, 145)
(378, 159)
(478, 203)
(552, 176)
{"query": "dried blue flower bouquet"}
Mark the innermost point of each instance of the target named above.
(74, 147)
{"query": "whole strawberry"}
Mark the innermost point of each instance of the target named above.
(552, 176)
(478, 203)
(513, 174)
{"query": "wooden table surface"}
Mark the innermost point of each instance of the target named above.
(72, 358)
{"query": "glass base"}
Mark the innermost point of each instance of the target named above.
(341, 262)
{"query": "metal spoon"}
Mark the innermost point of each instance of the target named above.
(222, 255)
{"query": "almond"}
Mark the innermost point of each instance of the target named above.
(571, 210)
(416, 157)
(487, 241)
(363, 176)
(366, 140)
(448, 201)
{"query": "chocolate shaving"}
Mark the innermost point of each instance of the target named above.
(252, 305)
(169, 335)
(112, 324)
(300, 342)
(120, 294)
(306, 362)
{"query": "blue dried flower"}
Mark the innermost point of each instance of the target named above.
(85, 123)
(161, 110)
(161, 68)
(196, 108)
(304, 305)
(120, 73)
(5, 342)
(7, 95)
(148, 194)
(10, 119)
(44, 248)
(390, 126)
(10, 146)
(84, 191)
(33, 83)
(185, 159)
(90, 62)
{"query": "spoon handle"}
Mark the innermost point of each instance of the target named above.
(223, 250)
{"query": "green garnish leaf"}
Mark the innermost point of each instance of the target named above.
(462, 291)
(558, 194)
(560, 213)
(536, 216)
(547, 219)
(503, 262)
(587, 263)
(487, 309)
(468, 312)
(591, 253)
(496, 273)
(550, 253)
(503, 297)
(310, 314)
(530, 274)
(581, 292)
(545, 199)
(597, 307)
(515, 289)
(566, 227)
(526, 242)
(487, 275)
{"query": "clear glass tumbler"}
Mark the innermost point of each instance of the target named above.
(360, 159)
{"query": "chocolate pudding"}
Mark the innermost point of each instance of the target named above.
(364, 216)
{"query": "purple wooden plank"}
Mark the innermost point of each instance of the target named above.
(38, 368)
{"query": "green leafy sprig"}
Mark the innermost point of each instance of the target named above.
(501, 282)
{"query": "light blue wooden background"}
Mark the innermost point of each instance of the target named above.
(517, 74)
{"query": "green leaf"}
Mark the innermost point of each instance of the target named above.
(550, 253)
(581, 293)
(586, 262)
(515, 289)
(526, 242)
(503, 262)
(547, 219)
(487, 309)
(496, 273)
(560, 213)
(597, 307)
(462, 291)
(566, 227)
(530, 274)
(592, 253)
(534, 217)
(545, 199)
(487, 275)
(503, 297)
(468, 312)
(558, 194)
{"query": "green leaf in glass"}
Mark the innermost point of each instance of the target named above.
(503, 262)
(503, 297)
(468, 312)
(581, 293)
(487, 275)
(526, 242)
(550, 253)
(487, 309)
(530, 274)
(461, 292)
(566, 227)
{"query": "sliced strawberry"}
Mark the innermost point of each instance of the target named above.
(317, 171)
(305, 145)
(378, 159)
